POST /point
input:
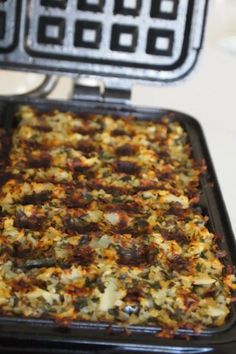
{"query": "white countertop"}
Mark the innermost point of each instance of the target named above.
(209, 95)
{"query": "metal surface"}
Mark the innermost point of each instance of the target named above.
(81, 337)
(95, 90)
(43, 89)
(9, 22)
(122, 41)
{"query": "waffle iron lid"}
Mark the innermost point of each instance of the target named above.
(122, 41)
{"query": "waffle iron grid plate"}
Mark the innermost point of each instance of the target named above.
(151, 40)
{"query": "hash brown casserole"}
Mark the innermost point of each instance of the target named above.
(100, 222)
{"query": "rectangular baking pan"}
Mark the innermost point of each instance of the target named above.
(21, 335)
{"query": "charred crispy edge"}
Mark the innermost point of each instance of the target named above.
(5, 147)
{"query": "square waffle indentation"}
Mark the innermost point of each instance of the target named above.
(2, 24)
(88, 34)
(127, 7)
(91, 5)
(160, 42)
(51, 30)
(124, 38)
(167, 9)
(54, 3)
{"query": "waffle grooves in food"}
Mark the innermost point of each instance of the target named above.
(100, 222)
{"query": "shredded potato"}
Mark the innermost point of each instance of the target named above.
(100, 222)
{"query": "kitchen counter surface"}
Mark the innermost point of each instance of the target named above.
(209, 94)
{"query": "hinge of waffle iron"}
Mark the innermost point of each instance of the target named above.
(96, 89)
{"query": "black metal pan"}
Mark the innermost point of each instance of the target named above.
(21, 335)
